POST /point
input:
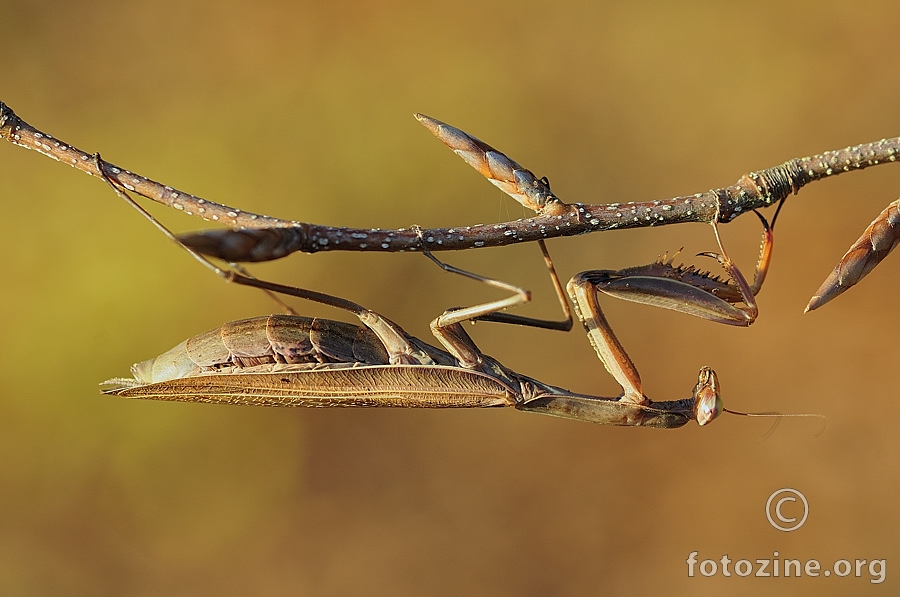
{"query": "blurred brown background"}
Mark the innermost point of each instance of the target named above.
(304, 110)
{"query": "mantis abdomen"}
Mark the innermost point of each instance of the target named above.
(267, 340)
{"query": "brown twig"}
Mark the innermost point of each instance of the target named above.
(259, 238)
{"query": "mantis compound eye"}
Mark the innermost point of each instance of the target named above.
(707, 402)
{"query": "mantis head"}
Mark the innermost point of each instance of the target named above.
(707, 402)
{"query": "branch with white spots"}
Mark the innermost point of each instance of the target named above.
(255, 237)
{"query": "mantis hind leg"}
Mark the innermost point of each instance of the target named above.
(396, 342)
(447, 329)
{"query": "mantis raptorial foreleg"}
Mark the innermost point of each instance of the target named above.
(688, 290)
(680, 288)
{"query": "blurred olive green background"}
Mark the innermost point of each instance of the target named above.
(304, 111)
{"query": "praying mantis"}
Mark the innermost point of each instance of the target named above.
(288, 360)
